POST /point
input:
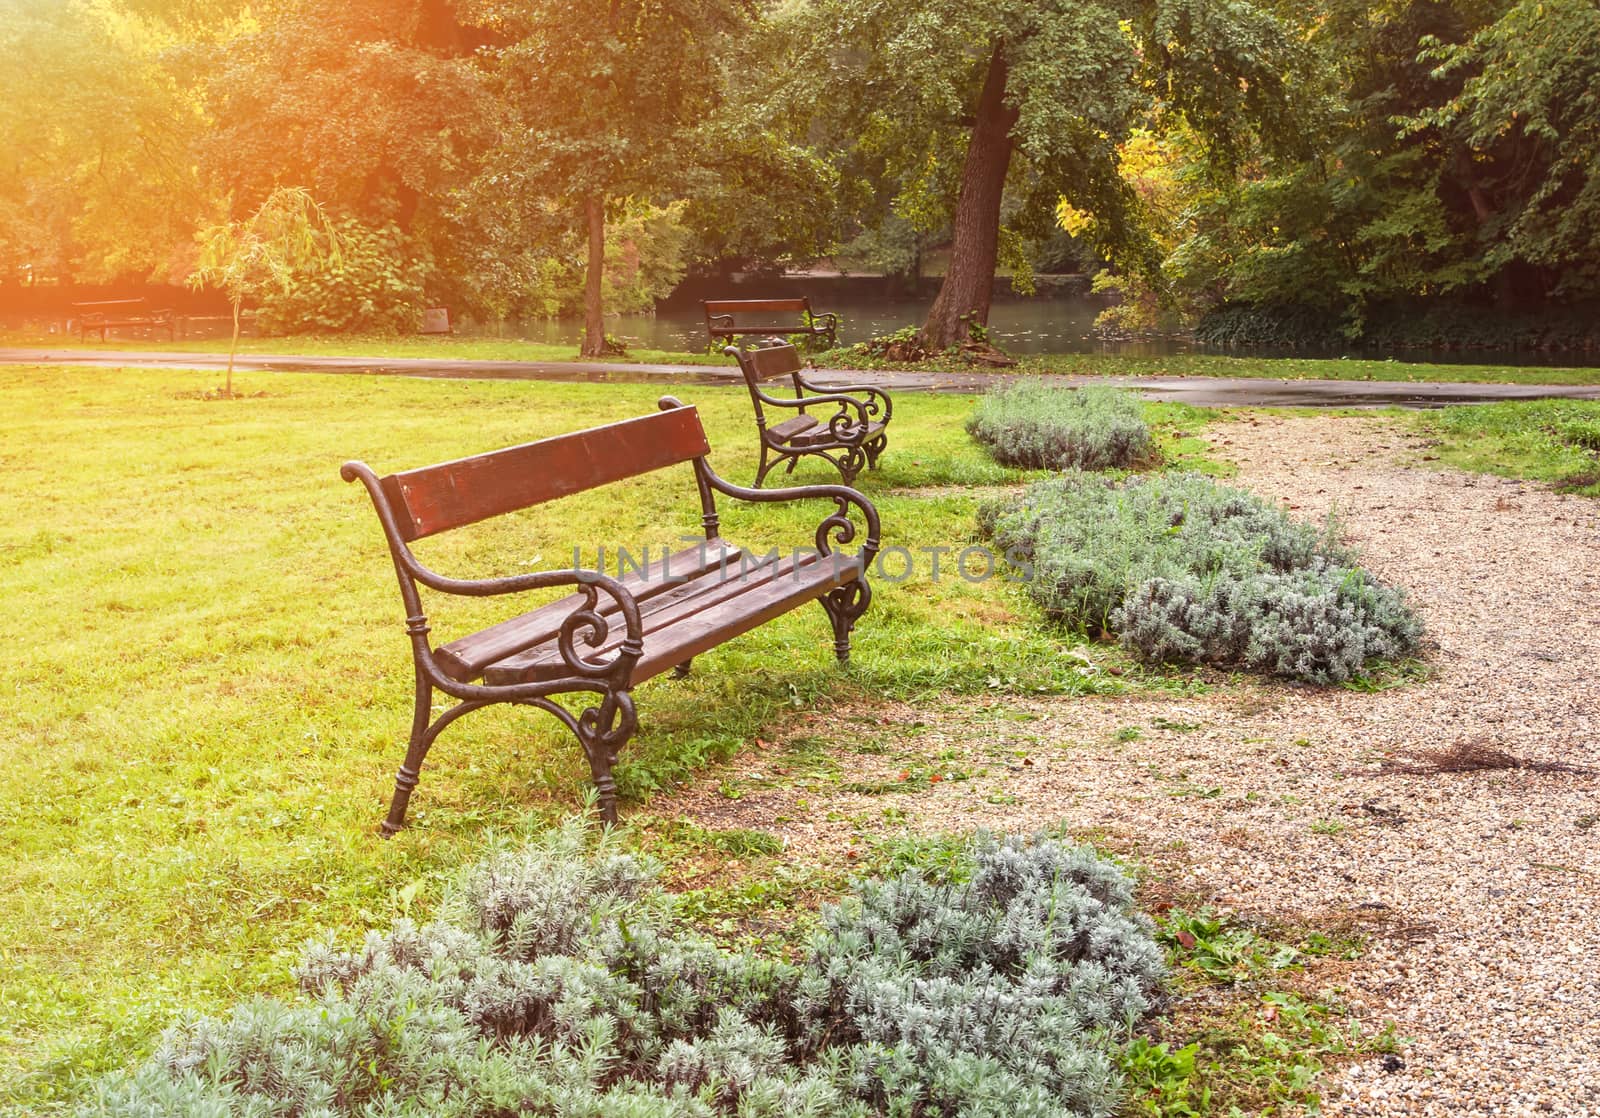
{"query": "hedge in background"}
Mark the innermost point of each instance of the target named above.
(1032, 425)
(1184, 569)
(1425, 324)
(560, 983)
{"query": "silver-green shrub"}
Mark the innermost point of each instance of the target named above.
(1186, 570)
(559, 982)
(1032, 425)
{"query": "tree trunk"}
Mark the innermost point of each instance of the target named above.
(594, 322)
(1483, 211)
(969, 281)
(234, 348)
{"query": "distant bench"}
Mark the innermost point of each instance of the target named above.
(723, 319)
(108, 314)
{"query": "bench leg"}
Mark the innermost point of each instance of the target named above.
(875, 448)
(682, 670)
(843, 605)
(850, 463)
(422, 738)
(761, 471)
(602, 732)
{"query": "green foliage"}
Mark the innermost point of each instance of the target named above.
(892, 247)
(1262, 1048)
(1161, 1080)
(898, 86)
(1038, 426)
(1440, 324)
(646, 256)
(1529, 108)
(561, 978)
(605, 102)
(1224, 951)
(285, 234)
(541, 273)
(374, 286)
(1187, 570)
(1290, 327)
(377, 109)
(1458, 160)
(261, 252)
(96, 182)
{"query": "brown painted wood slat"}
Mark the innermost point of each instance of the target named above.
(774, 361)
(449, 495)
(710, 588)
(790, 428)
(712, 627)
(734, 306)
(710, 612)
(464, 660)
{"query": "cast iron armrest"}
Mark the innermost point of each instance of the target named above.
(874, 395)
(835, 529)
(843, 427)
(585, 618)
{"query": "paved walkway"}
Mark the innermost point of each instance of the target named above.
(1199, 391)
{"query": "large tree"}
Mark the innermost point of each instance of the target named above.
(1456, 158)
(95, 176)
(992, 111)
(606, 103)
(376, 108)
(1525, 138)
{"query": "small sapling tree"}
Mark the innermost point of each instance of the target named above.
(287, 231)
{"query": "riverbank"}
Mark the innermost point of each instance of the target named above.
(459, 350)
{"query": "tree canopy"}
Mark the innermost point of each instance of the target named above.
(524, 157)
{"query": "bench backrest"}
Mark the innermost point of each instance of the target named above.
(437, 498)
(727, 309)
(114, 302)
(768, 363)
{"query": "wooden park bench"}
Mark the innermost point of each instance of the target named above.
(852, 437)
(610, 634)
(723, 319)
(109, 314)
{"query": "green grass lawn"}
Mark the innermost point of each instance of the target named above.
(1557, 441)
(1192, 365)
(208, 684)
(343, 345)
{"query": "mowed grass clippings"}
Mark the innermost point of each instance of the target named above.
(208, 686)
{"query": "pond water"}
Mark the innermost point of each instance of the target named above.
(1018, 326)
(1056, 324)
(1060, 324)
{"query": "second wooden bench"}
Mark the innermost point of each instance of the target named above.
(725, 319)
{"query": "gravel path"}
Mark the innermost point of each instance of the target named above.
(1482, 887)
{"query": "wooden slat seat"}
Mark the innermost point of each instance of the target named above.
(608, 634)
(793, 430)
(701, 613)
(821, 436)
(465, 659)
